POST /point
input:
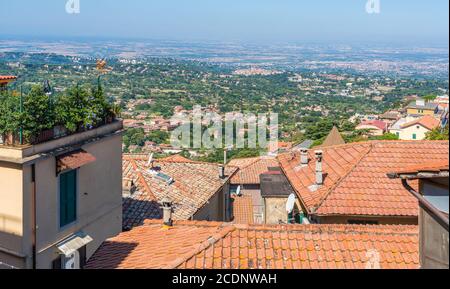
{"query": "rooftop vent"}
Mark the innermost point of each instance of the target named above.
(304, 157)
(167, 207)
(222, 172)
(319, 168)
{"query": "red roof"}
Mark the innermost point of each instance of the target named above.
(250, 169)
(210, 245)
(427, 121)
(74, 160)
(355, 177)
(7, 77)
(376, 123)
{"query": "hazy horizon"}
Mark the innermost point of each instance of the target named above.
(400, 22)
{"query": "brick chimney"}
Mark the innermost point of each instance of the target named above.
(319, 167)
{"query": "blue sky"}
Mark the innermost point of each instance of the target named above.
(400, 21)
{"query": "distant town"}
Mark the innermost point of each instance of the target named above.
(90, 179)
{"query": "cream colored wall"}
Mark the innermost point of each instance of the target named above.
(11, 228)
(407, 133)
(99, 200)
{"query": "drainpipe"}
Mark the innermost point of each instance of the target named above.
(34, 223)
(437, 215)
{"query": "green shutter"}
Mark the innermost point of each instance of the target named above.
(68, 198)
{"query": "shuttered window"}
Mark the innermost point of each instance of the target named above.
(67, 198)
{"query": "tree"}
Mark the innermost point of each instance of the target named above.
(9, 114)
(72, 109)
(99, 106)
(38, 113)
(438, 134)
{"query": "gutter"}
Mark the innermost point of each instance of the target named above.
(426, 205)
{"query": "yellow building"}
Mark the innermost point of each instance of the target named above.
(421, 108)
(60, 199)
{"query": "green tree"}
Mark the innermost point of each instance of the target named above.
(72, 109)
(438, 134)
(38, 113)
(9, 113)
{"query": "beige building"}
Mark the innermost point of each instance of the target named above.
(411, 128)
(59, 200)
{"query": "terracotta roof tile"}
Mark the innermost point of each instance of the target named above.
(243, 210)
(356, 181)
(74, 160)
(250, 169)
(376, 123)
(203, 245)
(194, 183)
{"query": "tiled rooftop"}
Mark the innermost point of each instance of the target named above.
(209, 245)
(194, 183)
(243, 210)
(427, 121)
(355, 177)
(429, 167)
(7, 77)
(250, 169)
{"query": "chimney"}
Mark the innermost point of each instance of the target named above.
(319, 169)
(167, 211)
(222, 172)
(304, 157)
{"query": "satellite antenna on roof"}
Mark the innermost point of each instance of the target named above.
(150, 160)
(290, 203)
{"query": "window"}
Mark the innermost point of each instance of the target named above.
(67, 198)
(398, 134)
(414, 136)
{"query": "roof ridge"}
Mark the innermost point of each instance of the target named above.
(336, 228)
(225, 230)
(341, 179)
(142, 179)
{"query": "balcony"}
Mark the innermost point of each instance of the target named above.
(56, 141)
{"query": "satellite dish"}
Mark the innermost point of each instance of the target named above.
(290, 203)
(150, 160)
(238, 191)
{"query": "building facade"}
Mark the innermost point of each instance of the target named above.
(59, 200)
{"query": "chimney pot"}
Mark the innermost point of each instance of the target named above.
(319, 167)
(222, 172)
(167, 207)
(304, 157)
